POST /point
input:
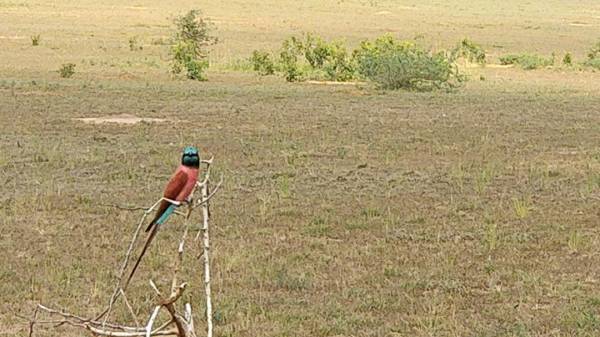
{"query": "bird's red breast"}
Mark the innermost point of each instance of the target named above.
(179, 188)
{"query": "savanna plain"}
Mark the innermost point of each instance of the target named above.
(346, 210)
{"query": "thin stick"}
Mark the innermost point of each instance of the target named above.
(126, 208)
(190, 320)
(206, 249)
(179, 260)
(155, 288)
(32, 322)
(83, 320)
(129, 334)
(137, 323)
(168, 303)
(151, 321)
(205, 200)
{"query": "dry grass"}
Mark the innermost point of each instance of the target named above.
(346, 211)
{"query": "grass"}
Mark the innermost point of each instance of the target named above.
(345, 210)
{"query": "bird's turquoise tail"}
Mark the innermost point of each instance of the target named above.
(166, 214)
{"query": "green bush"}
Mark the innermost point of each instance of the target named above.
(337, 64)
(291, 49)
(330, 59)
(509, 59)
(470, 50)
(526, 61)
(567, 60)
(188, 50)
(311, 56)
(67, 70)
(262, 63)
(593, 57)
(594, 53)
(394, 64)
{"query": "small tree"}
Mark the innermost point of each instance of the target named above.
(188, 50)
(262, 63)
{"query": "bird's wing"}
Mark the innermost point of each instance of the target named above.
(173, 188)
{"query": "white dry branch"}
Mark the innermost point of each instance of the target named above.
(206, 247)
(178, 325)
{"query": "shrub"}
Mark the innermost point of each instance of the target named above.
(337, 64)
(67, 70)
(262, 63)
(526, 61)
(188, 49)
(313, 57)
(509, 59)
(594, 57)
(567, 59)
(394, 64)
(35, 40)
(290, 50)
(594, 53)
(470, 50)
(331, 59)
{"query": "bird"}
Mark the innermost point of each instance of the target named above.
(178, 190)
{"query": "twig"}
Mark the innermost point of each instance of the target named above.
(137, 323)
(155, 288)
(151, 321)
(32, 322)
(168, 304)
(179, 260)
(126, 208)
(205, 200)
(80, 319)
(206, 249)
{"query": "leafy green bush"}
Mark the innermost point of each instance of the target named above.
(470, 50)
(526, 61)
(310, 56)
(188, 50)
(291, 49)
(509, 59)
(262, 63)
(594, 57)
(331, 59)
(67, 70)
(594, 53)
(568, 59)
(394, 64)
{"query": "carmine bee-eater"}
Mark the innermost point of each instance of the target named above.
(178, 190)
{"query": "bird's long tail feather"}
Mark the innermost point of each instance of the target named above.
(146, 245)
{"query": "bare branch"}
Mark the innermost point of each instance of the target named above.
(137, 323)
(205, 200)
(151, 321)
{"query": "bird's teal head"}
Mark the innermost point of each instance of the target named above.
(190, 157)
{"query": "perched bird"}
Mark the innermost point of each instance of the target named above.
(178, 190)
